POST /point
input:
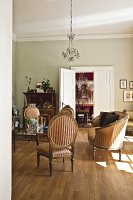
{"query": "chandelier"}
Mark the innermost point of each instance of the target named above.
(71, 53)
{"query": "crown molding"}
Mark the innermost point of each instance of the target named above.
(32, 38)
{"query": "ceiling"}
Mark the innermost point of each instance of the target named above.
(50, 19)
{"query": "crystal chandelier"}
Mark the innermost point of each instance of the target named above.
(71, 53)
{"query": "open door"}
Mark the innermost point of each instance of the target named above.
(67, 88)
(102, 92)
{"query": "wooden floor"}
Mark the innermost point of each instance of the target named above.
(103, 179)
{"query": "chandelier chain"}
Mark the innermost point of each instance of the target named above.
(71, 17)
(71, 53)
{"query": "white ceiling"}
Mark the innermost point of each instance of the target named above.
(91, 18)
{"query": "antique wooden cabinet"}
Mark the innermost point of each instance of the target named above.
(46, 102)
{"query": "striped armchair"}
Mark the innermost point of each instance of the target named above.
(62, 132)
(109, 137)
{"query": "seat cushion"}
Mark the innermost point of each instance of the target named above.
(43, 149)
(62, 153)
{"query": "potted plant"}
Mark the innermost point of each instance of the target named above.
(45, 84)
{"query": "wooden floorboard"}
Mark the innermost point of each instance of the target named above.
(104, 178)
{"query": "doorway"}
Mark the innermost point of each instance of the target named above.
(84, 84)
(101, 83)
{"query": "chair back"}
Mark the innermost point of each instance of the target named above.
(112, 135)
(62, 131)
(31, 112)
(68, 111)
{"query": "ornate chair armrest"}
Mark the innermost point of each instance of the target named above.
(38, 138)
(38, 135)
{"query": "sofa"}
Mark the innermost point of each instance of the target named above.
(110, 136)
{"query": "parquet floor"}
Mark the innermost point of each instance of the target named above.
(104, 178)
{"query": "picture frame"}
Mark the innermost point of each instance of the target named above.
(39, 87)
(131, 84)
(128, 95)
(123, 84)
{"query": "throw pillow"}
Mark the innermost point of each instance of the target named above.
(110, 119)
(102, 118)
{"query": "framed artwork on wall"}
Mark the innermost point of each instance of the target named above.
(131, 84)
(39, 87)
(127, 95)
(123, 84)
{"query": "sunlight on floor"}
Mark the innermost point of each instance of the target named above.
(103, 164)
(131, 157)
(131, 165)
(124, 166)
(128, 139)
(124, 157)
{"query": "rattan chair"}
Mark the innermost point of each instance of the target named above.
(109, 137)
(62, 132)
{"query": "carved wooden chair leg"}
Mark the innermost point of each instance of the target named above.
(38, 159)
(120, 154)
(14, 144)
(13, 141)
(27, 138)
(63, 159)
(94, 152)
(72, 163)
(50, 165)
(72, 158)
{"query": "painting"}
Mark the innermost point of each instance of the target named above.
(128, 95)
(39, 87)
(131, 84)
(84, 88)
(123, 84)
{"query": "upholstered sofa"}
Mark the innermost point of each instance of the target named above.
(109, 136)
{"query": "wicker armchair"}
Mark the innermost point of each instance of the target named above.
(109, 137)
(62, 132)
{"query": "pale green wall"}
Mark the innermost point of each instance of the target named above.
(43, 59)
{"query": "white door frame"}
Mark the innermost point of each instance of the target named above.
(66, 88)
